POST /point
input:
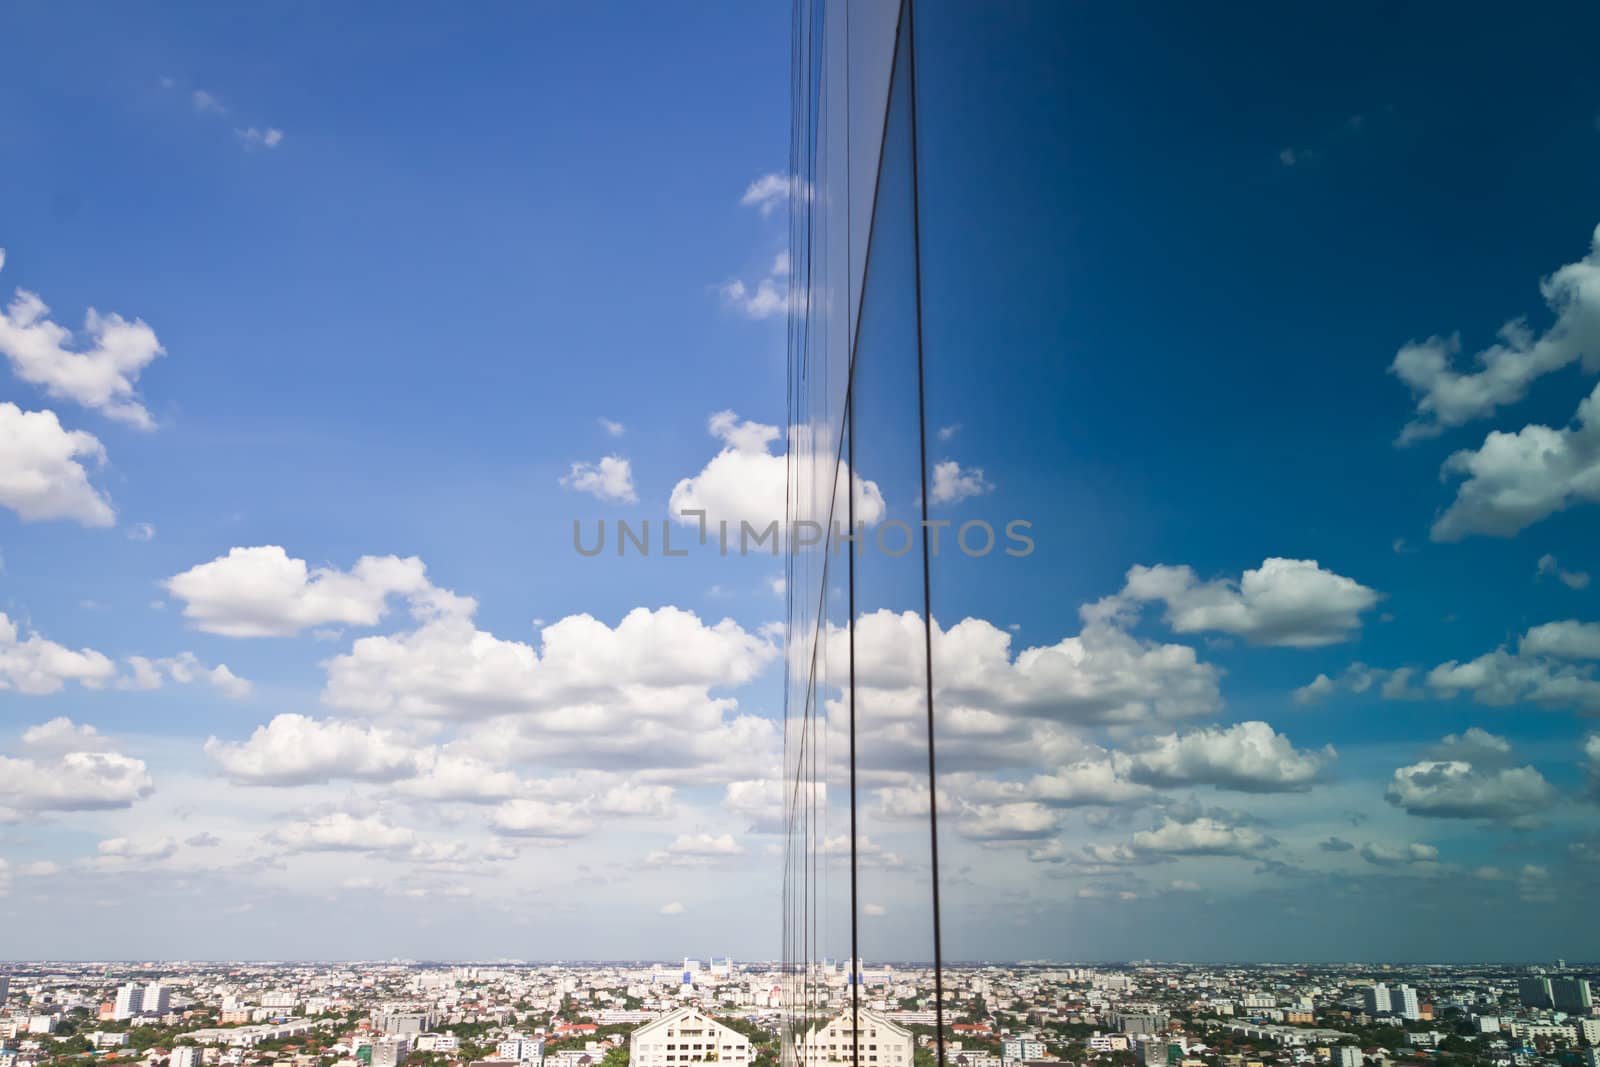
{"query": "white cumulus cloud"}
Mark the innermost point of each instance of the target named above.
(747, 482)
(1250, 757)
(1463, 789)
(42, 469)
(183, 669)
(73, 781)
(1204, 836)
(297, 749)
(37, 666)
(1447, 396)
(101, 374)
(770, 192)
(1514, 480)
(262, 592)
(609, 479)
(952, 483)
(1288, 602)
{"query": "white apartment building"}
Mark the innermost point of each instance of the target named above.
(157, 999)
(1403, 1002)
(1590, 1029)
(248, 1036)
(975, 1058)
(441, 1043)
(1022, 1048)
(129, 1002)
(1345, 1056)
(390, 1051)
(520, 1049)
(186, 1056)
(687, 1035)
(1547, 1031)
(880, 1042)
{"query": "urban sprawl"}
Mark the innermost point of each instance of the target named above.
(673, 1015)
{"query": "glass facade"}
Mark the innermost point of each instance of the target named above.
(1180, 377)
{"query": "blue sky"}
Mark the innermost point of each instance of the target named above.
(390, 333)
(528, 219)
(404, 270)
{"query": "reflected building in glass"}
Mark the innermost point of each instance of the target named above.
(1192, 501)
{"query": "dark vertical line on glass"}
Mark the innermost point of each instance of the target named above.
(787, 918)
(850, 569)
(855, 938)
(927, 579)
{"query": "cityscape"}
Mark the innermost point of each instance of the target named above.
(484, 540)
(717, 1010)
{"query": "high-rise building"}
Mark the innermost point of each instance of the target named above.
(5, 989)
(130, 1002)
(1535, 992)
(1403, 1002)
(1346, 1056)
(157, 999)
(185, 1056)
(1377, 999)
(1571, 995)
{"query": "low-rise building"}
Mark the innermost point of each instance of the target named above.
(519, 1049)
(438, 1043)
(687, 1035)
(877, 1041)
